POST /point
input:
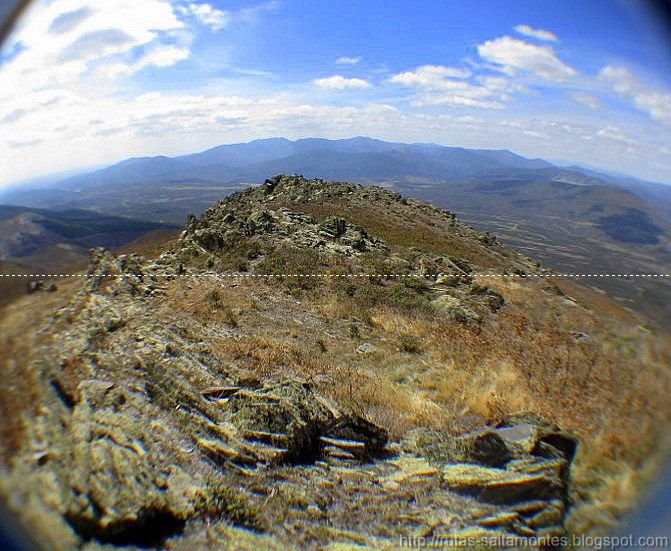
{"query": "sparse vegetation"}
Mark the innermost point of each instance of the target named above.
(213, 298)
(366, 342)
(219, 501)
(410, 344)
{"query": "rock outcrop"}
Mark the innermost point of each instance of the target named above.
(164, 424)
(521, 464)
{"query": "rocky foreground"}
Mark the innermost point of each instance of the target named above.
(127, 452)
(151, 426)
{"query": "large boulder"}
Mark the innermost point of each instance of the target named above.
(286, 414)
(455, 309)
(355, 428)
(534, 435)
(284, 407)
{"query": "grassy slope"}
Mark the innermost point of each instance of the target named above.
(580, 358)
(562, 227)
(610, 386)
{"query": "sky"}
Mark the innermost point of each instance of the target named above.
(86, 83)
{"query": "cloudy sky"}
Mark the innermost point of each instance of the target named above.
(86, 83)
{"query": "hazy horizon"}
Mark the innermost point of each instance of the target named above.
(47, 178)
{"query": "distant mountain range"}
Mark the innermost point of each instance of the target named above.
(346, 159)
(357, 159)
(575, 219)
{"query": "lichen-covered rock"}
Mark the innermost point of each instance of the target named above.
(112, 274)
(514, 465)
(455, 309)
(493, 299)
(501, 486)
(482, 447)
(537, 436)
(120, 486)
(284, 407)
(219, 228)
(353, 427)
(287, 415)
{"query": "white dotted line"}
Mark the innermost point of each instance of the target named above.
(247, 275)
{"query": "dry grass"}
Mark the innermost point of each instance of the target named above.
(20, 368)
(586, 364)
(151, 244)
(581, 361)
(266, 357)
(604, 380)
(402, 232)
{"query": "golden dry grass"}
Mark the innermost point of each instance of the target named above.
(20, 344)
(601, 376)
(402, 232)
(583, 362)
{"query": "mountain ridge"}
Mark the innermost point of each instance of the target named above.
(161, 402)
(574, 220)
(267, 149)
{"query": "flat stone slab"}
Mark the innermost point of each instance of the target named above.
(499, 486)
(411, 469)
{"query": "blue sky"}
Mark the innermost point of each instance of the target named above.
(86, 83)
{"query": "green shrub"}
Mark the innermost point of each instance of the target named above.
(213, 298)
(409, 344)
(402, 296)
(221, 501)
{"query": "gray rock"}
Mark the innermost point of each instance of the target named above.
(455, 309)
(354, 427)
(290, 414)
(500, 486)
(365, 348)
(484, 447)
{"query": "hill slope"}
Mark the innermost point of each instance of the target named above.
(574, 219)
(45, 241)
(316, 363)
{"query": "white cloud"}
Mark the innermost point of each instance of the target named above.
(52, 59)
(588, 100)
(440, 85)
(338, 82)
(539, 34)
(209, 16)
(348, 60)
(615, 134)
(511, 55)
(466, 98)
(536, 134)
(505, 86)
(621, 79)
(253, 14)
(430, 76)
(657, 104)
(47, 86)
(162, 56)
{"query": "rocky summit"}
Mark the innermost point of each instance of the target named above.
(309, 364)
